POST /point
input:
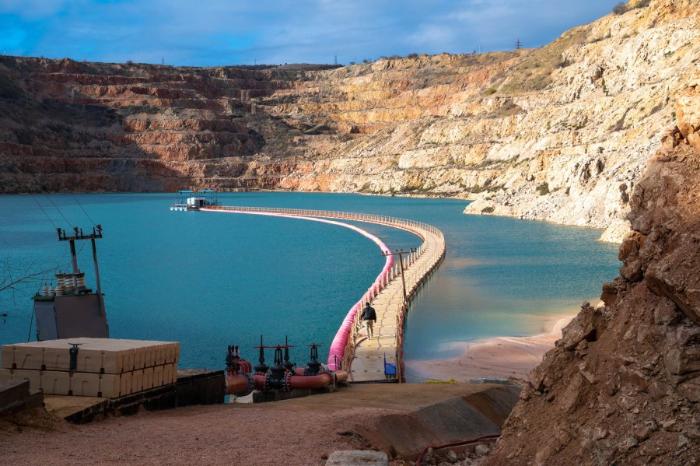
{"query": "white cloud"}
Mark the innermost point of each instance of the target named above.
(32, 9)
(234, 31)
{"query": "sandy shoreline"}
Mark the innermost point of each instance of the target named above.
(497, 357)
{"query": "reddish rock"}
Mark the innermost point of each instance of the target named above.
(629, 392)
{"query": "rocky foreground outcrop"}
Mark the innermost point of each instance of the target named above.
(561, 133)
(623, 384)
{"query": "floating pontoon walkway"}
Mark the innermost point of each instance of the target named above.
(350, 348)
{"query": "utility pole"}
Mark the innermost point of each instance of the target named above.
(518, 44)
(78, 235)
(335, 59)
(400, 253)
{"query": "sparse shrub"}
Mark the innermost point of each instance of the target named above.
(490, 91)
(564, 63)
(412, 55)
(505, 109)
(643, 3)
(487, 210)
(543, 189)
(620, 8)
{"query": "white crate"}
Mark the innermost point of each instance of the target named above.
(96, 355)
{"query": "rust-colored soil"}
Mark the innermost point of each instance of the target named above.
(294, 432)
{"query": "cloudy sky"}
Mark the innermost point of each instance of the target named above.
(219, 32)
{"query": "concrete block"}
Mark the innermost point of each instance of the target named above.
(172, 353)
(137, 381)
(85, 384)
(157, 376)
(167, 374)
(150, 356)
(98, 355)
(147, 378)
(55, 382)
(110, 385)
(56, 359)
(358, 458)
(31, 358)
(8, 356)
(125, 383)
(166, 354)
(139, 358)
(5, 375)
(159, 355)
(33, 376)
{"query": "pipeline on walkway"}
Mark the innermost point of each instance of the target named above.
(418, 267)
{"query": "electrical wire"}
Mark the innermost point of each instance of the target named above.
(84, 211)
(34, 198)
(8, 269)
(82, 246)
(44, 211)
(60, 212)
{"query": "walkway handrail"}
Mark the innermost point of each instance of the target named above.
(342, 351)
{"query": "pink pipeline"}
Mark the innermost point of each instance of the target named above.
(337, 349)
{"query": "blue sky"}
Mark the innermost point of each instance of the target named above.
(220, 32)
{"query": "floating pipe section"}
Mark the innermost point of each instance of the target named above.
(345, 342)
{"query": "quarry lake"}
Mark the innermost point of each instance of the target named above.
(208, 280)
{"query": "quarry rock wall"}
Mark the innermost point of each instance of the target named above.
(559, 133)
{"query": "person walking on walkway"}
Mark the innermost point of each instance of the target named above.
(369, 315)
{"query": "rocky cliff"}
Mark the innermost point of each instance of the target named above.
(67, 126)
(560, 133)
(623, 384)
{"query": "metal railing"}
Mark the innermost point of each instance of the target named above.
(431, 237)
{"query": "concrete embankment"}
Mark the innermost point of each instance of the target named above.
(356, 417)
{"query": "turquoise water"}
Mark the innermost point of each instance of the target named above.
(209, 280)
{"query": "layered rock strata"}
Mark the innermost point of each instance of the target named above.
(623, 384)
(561, 133)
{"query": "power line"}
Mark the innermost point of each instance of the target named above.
(84, 211)
(34, 198)
(44, 211)
(60, 212)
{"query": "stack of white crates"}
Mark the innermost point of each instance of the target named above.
(105, 367)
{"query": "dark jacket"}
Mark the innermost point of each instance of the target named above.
(368, 313)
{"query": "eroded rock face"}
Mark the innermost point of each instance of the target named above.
(69, 126)
(560, 133)
(622, 386)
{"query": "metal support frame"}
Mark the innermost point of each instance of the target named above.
(79, 235)
(401, 253)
